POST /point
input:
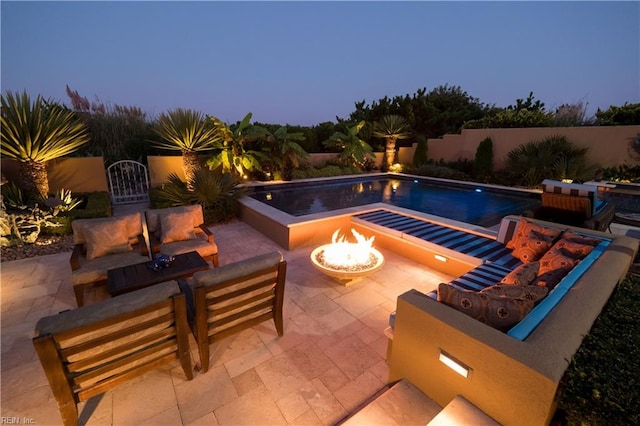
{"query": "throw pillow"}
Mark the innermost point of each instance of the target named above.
(580, 239)
(525, 292)
(176, 227)
(523, 274)
(572, 249)
(106, 238)
(498, 312)
(554, 266)
(525, 227)
(531, 248)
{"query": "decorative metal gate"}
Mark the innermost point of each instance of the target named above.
(128, 182)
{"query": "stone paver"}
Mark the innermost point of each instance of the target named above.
(330, 359)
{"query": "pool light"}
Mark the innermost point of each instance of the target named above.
(454, 364)
(269, 196)
(440, 257)
(478, 190)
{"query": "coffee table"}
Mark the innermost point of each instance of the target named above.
(134, 277)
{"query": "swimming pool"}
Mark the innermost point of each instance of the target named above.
(482, 205)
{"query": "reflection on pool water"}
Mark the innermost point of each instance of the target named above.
(480, 205)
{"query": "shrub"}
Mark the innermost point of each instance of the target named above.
(420, 156)
(554, 157)
(92, 205)
(218, 193)
(622, 173)
(440, 171)
(483, 163)
(600, 386)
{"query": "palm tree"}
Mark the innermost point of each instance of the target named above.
(188, 131)
(391, 128)
(34, 133)
(284, 151)
(233, 156)
(354, 150)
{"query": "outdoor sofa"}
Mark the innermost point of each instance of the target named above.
(102, 244)
(513, 373)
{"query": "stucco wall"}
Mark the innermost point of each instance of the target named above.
(78, 174)
(608, 146)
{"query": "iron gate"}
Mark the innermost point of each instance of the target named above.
(128, 182)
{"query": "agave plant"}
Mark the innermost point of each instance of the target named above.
(35, 133)
(218, 193)
(355, 151)
(188, 131)
(391, 128)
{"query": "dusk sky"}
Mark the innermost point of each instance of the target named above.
(308, 62)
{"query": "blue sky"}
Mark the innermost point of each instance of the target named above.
(308, 62)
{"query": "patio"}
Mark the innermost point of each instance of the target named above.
(330, 360)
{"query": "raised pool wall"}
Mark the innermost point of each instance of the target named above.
(291, 232)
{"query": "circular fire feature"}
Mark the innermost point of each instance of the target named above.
(347, 261)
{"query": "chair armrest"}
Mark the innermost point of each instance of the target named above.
(154, 243)
(142, 242)
(208, 233)
(76, 254)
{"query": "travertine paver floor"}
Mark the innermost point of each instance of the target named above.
(330, 359)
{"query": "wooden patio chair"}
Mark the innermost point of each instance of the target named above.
(178, 230)
(102, 244)
(87, 351)
(574, 205)
(234, 297)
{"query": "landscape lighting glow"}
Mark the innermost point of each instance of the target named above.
(453, 364)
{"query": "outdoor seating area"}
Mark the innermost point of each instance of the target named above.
(329, 360)
(277, 333)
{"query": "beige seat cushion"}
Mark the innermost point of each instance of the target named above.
(96, 269)
(106, 238)
(132, 222)
(153, 216)
(203, 247)
(176, 227)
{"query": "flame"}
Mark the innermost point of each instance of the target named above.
(342, 253)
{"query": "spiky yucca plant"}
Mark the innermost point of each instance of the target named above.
(188, 131)
(35, 133)
(218, 193)
(391, 128)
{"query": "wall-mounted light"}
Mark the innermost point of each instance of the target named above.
(454, 364)
(567, 180)
(440, 257)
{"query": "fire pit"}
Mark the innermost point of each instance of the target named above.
(347, 261)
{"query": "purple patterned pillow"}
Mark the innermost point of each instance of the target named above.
(523, 274)
(498, 312)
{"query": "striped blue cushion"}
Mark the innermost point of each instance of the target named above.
(487, 249)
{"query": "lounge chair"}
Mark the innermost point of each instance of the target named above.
(574, 205)
(234, 297)
(102, 244)
(177, 230)
(87, 351)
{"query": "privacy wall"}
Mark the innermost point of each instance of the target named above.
(608, 146)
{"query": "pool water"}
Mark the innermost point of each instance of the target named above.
(480, 205)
